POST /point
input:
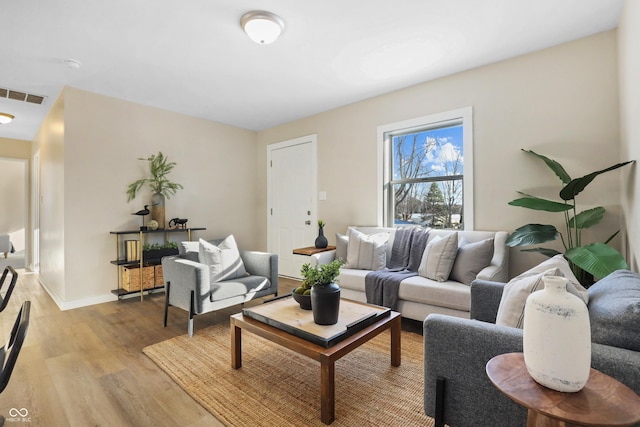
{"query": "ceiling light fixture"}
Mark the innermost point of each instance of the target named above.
(262, 27)
(5, 118)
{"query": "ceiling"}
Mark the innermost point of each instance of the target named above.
(193, 58)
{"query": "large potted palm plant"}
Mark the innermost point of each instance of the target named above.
(161, 187)
(587, 260)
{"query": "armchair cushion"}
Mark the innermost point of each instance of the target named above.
(614, 310)
(223, 259)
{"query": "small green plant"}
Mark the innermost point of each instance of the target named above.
(321, 223)
(156, 246)
(318, 275)
(159, 168)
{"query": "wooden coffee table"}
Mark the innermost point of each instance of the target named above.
(603, 401)
(327, 356)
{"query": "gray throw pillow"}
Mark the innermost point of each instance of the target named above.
(342, 242)
(614, 310)
(471, 259)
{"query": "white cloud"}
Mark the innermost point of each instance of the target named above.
(449, 153)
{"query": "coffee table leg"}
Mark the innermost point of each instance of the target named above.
(327, 391)
(396, 350)
(236, 346)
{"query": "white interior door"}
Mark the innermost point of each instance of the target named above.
(292, 212)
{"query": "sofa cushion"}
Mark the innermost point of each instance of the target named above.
(516, 291)
(471, 259)
(438, 257)
(223, 259)
(448, 294)
(366, 252)
(614, 310)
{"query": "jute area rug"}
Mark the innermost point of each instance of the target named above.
(277, 387)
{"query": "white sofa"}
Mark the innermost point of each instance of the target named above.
(418, 296)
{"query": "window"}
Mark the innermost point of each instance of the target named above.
(427, 171)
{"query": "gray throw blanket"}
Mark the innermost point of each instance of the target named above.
(381, 287)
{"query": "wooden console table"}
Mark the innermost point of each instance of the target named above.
(603, 401)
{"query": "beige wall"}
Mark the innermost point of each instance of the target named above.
(628, 48)
(561, 102)
(14, 164)
(49, 141)
(92, 165)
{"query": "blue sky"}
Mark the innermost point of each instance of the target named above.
(444, 147)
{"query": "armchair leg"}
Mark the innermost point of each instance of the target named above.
(439, 419)
(191, 314)
(166, 302)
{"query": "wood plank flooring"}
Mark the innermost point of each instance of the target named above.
(85, 367)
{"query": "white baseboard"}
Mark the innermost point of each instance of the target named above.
(69, 305)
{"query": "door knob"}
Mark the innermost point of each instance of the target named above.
(308, 222)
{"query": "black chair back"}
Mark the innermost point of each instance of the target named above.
(4, 300)
(9, 352)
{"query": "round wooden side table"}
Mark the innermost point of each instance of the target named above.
(603, 401)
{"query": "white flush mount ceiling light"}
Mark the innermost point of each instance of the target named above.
(5, 118)
(262, 27)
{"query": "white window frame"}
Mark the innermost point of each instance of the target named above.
(385, 134)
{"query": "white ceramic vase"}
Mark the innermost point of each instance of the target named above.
(557, 337)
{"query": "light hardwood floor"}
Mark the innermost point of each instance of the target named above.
(85, 367)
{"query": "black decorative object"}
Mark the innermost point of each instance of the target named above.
(178, 223)
(303, 300)
(321, 241)
(143, 212)
(325, 303)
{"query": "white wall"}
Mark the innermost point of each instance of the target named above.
(628, 48)
(87, 173)
(561, 102)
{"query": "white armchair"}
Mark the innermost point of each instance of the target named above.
(5, 244)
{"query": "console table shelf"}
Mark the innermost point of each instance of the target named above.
(123, 264)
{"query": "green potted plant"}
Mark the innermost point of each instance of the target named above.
(320, 286)
(155, 251)
(587, 260)
(161, 187)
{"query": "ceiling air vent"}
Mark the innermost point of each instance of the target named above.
(21, 96)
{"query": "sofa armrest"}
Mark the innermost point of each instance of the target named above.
(485, 300)
(262, 264)
(458, 351)
(185, 276)
(323, 257)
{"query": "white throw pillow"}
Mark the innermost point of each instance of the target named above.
(438, 257)
(223, 260)
(366, 252)
(515, 293)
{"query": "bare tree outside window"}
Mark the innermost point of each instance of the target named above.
(428, 168)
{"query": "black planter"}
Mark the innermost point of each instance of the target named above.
(156, 254)
(325, 303)
(321, 241)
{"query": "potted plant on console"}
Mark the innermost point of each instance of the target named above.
(320, 287)
(161, 187)
(155, 251)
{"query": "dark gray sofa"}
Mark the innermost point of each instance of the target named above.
(188, 285)
(457, 350)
